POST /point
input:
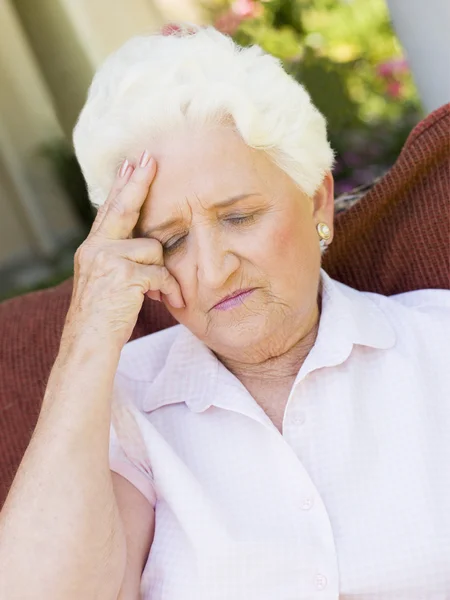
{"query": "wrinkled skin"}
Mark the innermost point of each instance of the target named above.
(267, 240)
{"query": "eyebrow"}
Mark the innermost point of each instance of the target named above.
(170, 222)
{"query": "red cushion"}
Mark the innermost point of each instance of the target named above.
(30, 330)
(397, 237)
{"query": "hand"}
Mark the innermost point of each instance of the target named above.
(112, 270)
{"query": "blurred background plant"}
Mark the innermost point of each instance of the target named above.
(344, 51)
(57, 267)
(346, 54)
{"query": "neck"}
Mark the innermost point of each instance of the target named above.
(282, 367)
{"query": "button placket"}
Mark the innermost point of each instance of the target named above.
(320, 581)
(299, 419)
(307, 504)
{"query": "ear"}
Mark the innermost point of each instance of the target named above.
(323, 201)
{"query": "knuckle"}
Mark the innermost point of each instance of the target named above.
(84, 254)
(123, 208)
(124, 270)
(118, 208)
(102, 257)
(155, 248)
(149, 248)
(96, 259)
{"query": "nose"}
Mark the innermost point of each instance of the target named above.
(216, 262)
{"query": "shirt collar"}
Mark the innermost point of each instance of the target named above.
(348, 317)
(193, 374)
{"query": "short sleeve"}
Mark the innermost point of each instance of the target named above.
(127, 450)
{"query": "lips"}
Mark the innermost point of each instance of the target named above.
(235, 295)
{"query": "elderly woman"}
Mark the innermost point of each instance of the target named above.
(289, 439)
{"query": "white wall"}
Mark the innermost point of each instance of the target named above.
(103, 26)
(34, 212)
(423, 27)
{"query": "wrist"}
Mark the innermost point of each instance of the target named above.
(85, 348)
(82, 374)
(86, 340)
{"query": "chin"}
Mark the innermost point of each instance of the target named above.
(238, 333)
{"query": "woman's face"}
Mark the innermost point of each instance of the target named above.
(239, 223)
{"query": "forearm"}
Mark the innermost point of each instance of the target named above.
(60, 531)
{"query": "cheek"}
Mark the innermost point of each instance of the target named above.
(290, 239)
(183, 271)
(282, 238)
(292, 256)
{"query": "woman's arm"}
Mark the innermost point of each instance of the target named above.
(61, 535)
(138, 518)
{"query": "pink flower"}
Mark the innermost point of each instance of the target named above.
(394, 89)
(175, 29)
(392, 68)
(246, 9)
(240, 10)
(228, 22)
(170, 29)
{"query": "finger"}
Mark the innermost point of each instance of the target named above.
(146, 251)
(156, 295)
(123, 175)
(123, 211)
(159, 278)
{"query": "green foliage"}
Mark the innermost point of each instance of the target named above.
(349, 59)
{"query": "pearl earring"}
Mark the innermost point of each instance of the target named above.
(324, 233)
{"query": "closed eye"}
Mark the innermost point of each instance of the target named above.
(173, 244)
(236, 220)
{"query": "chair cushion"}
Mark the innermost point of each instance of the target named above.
(30, 331)
(394, 239)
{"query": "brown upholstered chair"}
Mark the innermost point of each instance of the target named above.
(394, 239)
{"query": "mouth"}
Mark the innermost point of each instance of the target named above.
(234, 300)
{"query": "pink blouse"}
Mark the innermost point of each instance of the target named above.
(350, 502)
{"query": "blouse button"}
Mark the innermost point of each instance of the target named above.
(320, 581)
(299, 419)
(307, 503)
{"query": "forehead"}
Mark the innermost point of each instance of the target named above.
(205, 165)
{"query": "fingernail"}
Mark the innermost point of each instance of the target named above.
(145, 157)
(123, 168)
(177, 303)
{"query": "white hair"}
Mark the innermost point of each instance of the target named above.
(154, 83)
